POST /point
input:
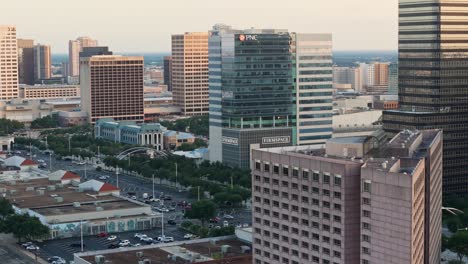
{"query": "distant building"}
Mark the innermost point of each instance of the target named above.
(72, 118)
(26, 61)
(175, 139)
(8, 63)
(131, 133)
(350, 201)
(190, 72)
(42, 63)
(112, 87)
(393, 78)
(168, 72)
(49, 91)
(347, 75)
(74, 49)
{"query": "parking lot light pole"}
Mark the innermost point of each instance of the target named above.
(81, 234)
(50, 161)
(117, 175)
(154, 197)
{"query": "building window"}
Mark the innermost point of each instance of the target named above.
(285, 170)
(366, 238)
(366, 186)
(276, 169)
(295, 172)
(366, 213)
(366, 226)
(326, 179)
(315, 176)
(337, 195)
(337, 180)
(257, 165)
(305, 175)
(266, 167)
(366, 250)
(366, 201)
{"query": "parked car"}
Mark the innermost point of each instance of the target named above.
(188, 236)
(171, 209)
(103, 177)
(143, 237)
(139, 235)
(228, 217)
(124, 243)
(27, 244)
(112, 238)
(133, 197)
(111, 246)
(214, 220)
(32, 247)
(171, 222)
(56, 260)
(136, 245)
(167, 198)
(102, 234)
(147, 240)
(168, 240)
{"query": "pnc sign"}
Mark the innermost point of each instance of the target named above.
(247, 37)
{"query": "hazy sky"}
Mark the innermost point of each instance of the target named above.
(146, 25)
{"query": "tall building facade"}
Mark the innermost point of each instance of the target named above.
(190, 72)
(26, 61)
(112, 87)
(312, 69)
(379, 73)
(74, 49)
(433, 77)
(42, 62)
(8, 63)
(251, 92)
(352, 202)
(168, 72)
(348, 75)
(393, 78)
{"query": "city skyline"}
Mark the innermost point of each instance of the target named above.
(152, 24)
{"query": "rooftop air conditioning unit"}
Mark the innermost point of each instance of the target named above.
(99, 209)
(139, 254)
(51, 188)
(76, 204)
(225, 249)
(29, 189)
(58, 185)
(12, 192)
(12, 182)
(59, 199)
(40, 192)
(99, 259)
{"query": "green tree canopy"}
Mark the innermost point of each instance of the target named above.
(5, 209)
(9, 126)
(458, 243)
(24, 226)
(202, 210)
(50, 121)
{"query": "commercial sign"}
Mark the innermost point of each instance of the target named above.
(230, 141)
(247, 37)
(276, 140)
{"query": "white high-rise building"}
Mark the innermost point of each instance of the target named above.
(8, 63)
(74, 48)
(314, 87)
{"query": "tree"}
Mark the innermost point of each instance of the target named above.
(25, 226)
(202, 210)
(5, 209)
(45, 122)
(9, 126)
(458, 243)
(453, 223)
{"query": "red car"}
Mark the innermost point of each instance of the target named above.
(102, 234)
(214, 220)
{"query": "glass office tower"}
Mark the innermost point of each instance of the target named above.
(433, 81)
(251, 93)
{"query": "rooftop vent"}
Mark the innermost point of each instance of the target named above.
(58, 185)
(40, 192)
(76, 204)
(51, 188)
(225, 248)
(29, 189)
(139, 254)
(99, 209)
(99, 259)
(12, 192)
(58, 199)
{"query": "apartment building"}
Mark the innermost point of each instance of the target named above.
(8, 63)
(26, 61)
(49, 91)
(190, 72)
(112, 87)
(74, 49)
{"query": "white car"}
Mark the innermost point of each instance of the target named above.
(133, 197)
(56, 260)
(168, 240)
(143, 237)
(225, 223)
(136, 245)
(40, 161)
(103, 177)
(124, 243)
(147, 240)
(111, 238)
(27, 244)
(188, 236)
(81, 163)
(139, 235)
(245, 225)
(32, 247)
(228, 217)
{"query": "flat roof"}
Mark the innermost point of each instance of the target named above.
(182, 252)
(27, 196)
(348, 140)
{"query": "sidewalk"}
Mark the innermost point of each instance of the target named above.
(14, 253)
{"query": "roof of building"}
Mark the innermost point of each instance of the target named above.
(97, 186)
(17, 161)
(199, 251)
(349, 140)
(180, 135)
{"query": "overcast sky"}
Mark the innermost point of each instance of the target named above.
(146, 25)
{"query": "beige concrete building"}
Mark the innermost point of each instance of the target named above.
(8, 63)
(49, 91)
(26, 61)
(112, 87)
(74, 49)
(190, 72)
(353, 201)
